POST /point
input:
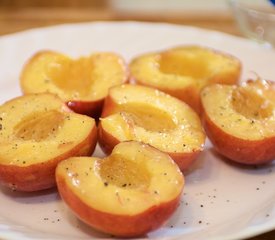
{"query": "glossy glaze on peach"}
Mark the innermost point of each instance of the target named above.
(37, 132)
(240, 120)
(183, 71)
(134, 112)
(82, 83)
(139, 188)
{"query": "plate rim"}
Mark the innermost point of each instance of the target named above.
(244, 233)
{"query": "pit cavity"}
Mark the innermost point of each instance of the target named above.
(251, 104)
(118, 171)
(39, 126)
(185, 64)
(72, 75)
(149, 117)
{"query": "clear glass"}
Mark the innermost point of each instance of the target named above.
(256, 21)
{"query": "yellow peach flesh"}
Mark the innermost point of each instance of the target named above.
(251, 104)
(151, 178)
(72, 76)
(190, 64)
(118, 171)
(184, 66)
(39, 126)
(42, 131)
(243, 112)
(148, 117)
(83, 79)
(155, 118)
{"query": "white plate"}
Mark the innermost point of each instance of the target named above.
(220, 201)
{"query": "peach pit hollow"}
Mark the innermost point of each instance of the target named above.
(39, 126)
(124, 173)
(251, 104)
(149, 117)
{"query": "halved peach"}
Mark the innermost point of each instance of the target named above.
(133, 112)
(129, 193)
(82, 83)
(37, 131)
(240, 120)
(183, 71)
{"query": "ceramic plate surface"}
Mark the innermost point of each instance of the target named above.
(220, 201)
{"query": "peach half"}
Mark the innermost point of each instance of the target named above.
(240, 120)
(183, 71)
(127, 194)
(133, 112)
(37, 131)
(82, 83)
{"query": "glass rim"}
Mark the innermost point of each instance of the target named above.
(236, 4)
